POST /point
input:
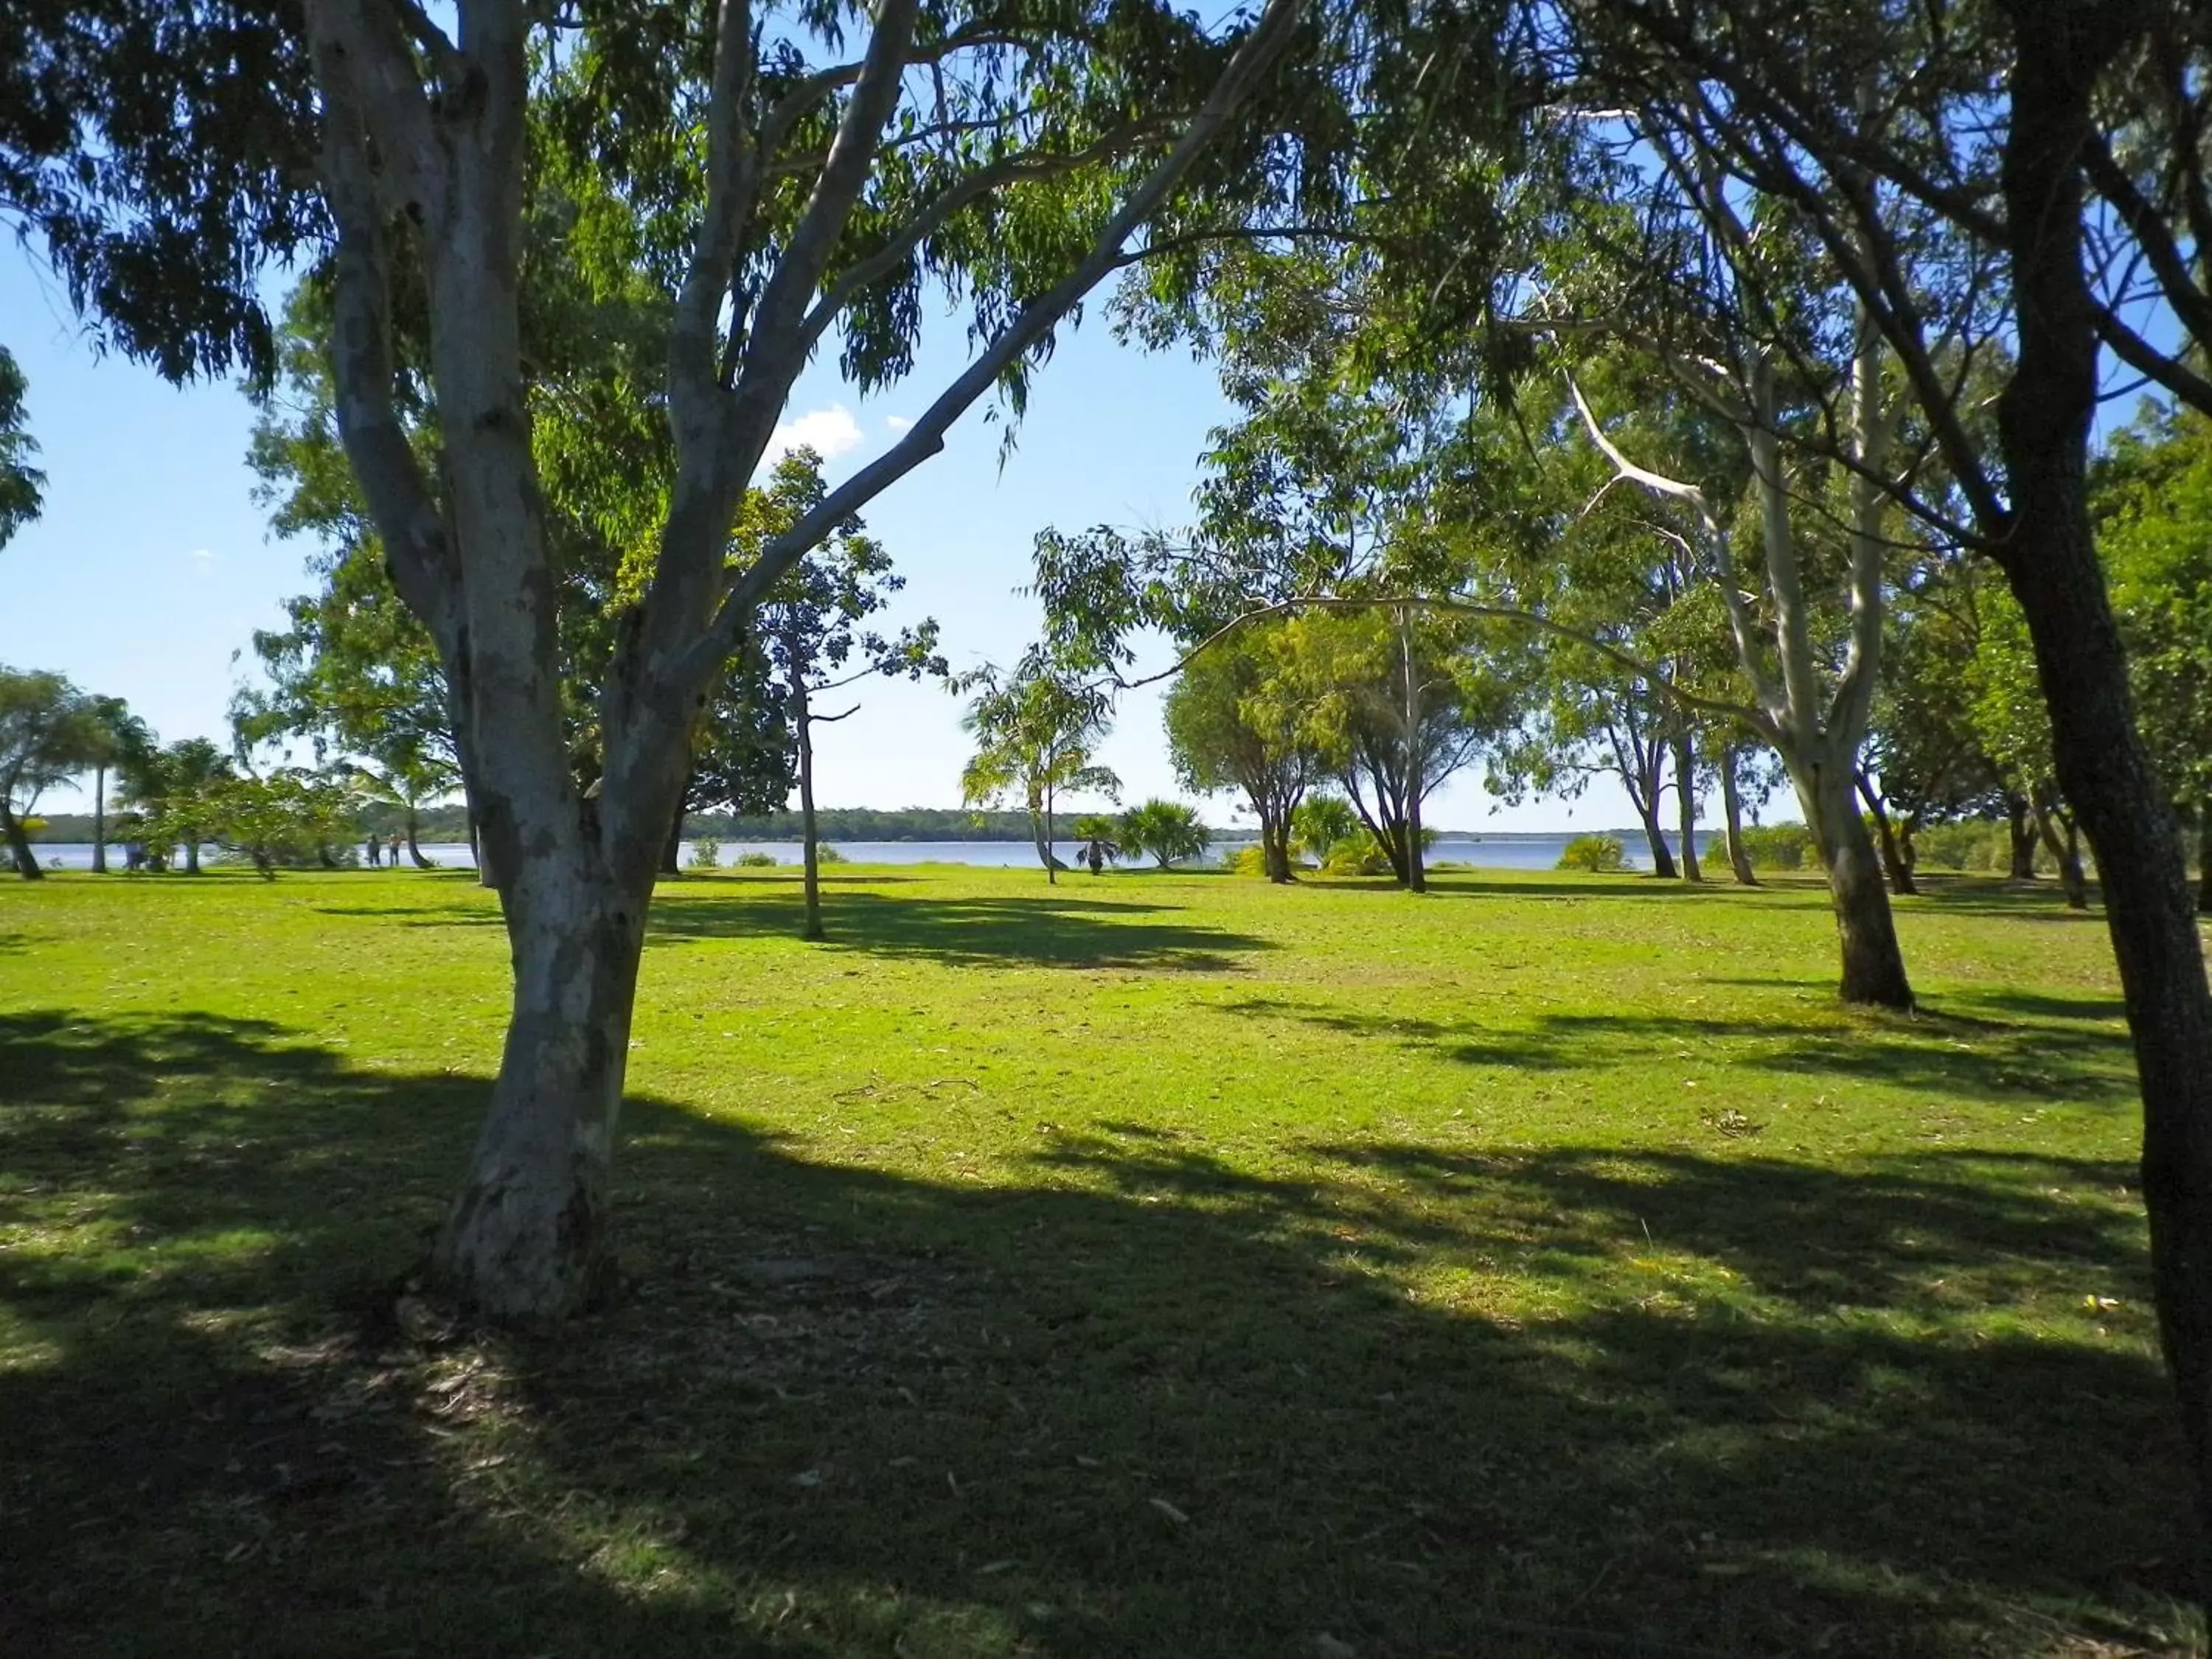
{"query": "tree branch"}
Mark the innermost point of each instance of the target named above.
(925, 437)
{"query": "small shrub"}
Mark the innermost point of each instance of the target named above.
(755, 861)
(1593, 853)
(1246, 861)
(706, 854)
(1357, 855)
(825, 854)
(1968, 846)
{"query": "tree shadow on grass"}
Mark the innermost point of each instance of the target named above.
(1121, 1400)
(1453, 884)
(1995, 1061)
(1046, 930)
(1986, 896)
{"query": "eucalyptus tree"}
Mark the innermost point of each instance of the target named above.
(1396, 699)
(178, 792)
(2012, 726)
(1037, 733)
(1228, 727)
(2153, 500)
(2036, 167)
(812, 632)
(49, 732)
(21, 484)
(785, 178)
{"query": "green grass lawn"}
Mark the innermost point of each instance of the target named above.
(1152, 1265)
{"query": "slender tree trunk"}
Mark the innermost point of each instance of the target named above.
(2065, 853)
(1893, 863)
(1874, 965)
(2204, 858)
(2021, 826)
(99, 820)
(2049, 556)
(415, 837)
(192, 853)
(480, 851)
(1738, 856)
(1416, 872)
(19, 846)
(1051, 864)
(1686, 799)
(672, 846)
(810, 855)
(1663, 856)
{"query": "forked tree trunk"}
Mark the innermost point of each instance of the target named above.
(528, 1236)
(810, 854)
(2061, 838)
(1739, 855)
(1894, 864)
(19, 846)
(99, 820)
(1686, 799)
(1663, 856)
(1874, 964)
(2050, 558)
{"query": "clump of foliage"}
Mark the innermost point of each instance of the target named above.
(1321, 823)
(755, 861)
(1771, 846)
(1597, 853)
(1166, 830)
(1358, 855)
(706, 854)
(1248, 861)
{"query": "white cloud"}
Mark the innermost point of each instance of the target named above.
(898, 423)
(203, 562)
(828, 432)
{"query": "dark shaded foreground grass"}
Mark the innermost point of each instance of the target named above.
(922, 1365)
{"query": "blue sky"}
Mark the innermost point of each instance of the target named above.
(152, 566)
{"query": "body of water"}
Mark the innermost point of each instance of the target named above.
(1488, 852)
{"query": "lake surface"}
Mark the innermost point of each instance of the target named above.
(1486, 851)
